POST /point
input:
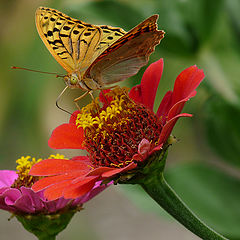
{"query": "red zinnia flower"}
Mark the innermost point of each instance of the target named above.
(119, 135)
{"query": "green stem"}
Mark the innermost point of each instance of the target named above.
(157, 187)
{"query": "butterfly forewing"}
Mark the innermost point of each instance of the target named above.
(48, 26)
(127, 55)
(109, 36)
(71, 42)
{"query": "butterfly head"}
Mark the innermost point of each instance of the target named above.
(72, 80)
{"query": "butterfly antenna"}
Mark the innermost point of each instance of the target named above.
(31, 70)
(58, 98)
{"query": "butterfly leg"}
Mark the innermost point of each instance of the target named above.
(90, 93)
(105, 88)
(82, 96)
(124, 92)
(58, 98)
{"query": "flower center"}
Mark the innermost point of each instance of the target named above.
(114, 131)
(23, 168)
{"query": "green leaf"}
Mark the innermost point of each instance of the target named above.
(142, 200)
(107, 12)
(188, 24)
(178, 39)
(201, 17)
(233, 7)
(220, 61)
(211, 194)
(223, 129)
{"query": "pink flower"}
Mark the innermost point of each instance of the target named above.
(24, 200)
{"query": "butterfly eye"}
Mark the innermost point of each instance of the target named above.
(74, 80)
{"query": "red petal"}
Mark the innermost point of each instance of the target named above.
(165, 106)
(83, 159)
(167, 129)
(136, 94)
(49, 181)
(119, 170)
(81, 188)
(157, 148)
(56, 191)
(186, 82)
(67, 136)
(150, 81)
(177, 108)
(74, 117)
(103, 98)
(50, 167)
(99, 171)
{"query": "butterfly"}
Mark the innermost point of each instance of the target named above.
(96, 56)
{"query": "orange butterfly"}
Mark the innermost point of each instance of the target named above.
(96, 56)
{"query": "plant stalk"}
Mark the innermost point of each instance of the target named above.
(157, 187)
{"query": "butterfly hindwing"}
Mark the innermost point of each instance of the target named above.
(127, 55)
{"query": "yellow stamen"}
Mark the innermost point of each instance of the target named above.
(91, 118)
(57, 156)
(120, 164)
(24, 166)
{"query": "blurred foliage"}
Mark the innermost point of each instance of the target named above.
(216, 199)
(206, 33)
(223, 134)
(206, 190)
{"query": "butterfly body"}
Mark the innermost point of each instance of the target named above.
(77, 80)
(96, 56)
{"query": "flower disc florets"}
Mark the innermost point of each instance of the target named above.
(113, 131)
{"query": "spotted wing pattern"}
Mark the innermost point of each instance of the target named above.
(109, 36)
(127, 55)
(73, 43)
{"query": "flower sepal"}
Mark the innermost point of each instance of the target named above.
(47, 226)
(154, 163)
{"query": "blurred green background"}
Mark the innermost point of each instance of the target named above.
(202, 167)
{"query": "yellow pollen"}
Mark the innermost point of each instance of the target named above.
(120, 164)
(25, 164)
(93, 118)
(57, 156)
